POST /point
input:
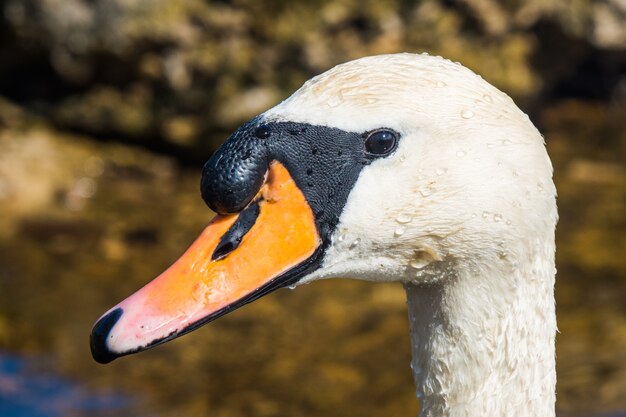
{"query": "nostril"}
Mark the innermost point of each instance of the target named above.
(231, 240)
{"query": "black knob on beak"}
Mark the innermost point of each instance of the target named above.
(236, 171)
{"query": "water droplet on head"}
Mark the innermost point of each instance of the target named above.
(399, 231)
(371, 100)
(402, 158)
(441, 171)
(467, 114)
(487, 98)
(334, 101)
(460, 154)
(292, 286)
(497, 218)
(425, 192)
(440, 84)
(355, 243)
(404, 218)
(485, 214)
(539, 186)
(418, 263)
(506, 142)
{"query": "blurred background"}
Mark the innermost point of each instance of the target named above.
(108, 108)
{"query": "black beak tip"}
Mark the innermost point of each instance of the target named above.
(99, 334)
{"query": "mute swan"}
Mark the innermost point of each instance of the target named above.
(404, 168)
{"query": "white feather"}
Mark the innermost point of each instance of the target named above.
(463, 213)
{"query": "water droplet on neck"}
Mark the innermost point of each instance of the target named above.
(371, 100)
(539, 187)
(485, 214)
(403, 218)
(399, 231)
(506, 142)
(441, 171)
(467, 114)
(292, 286)
(487, 98)
(497, 218)
(355, 243)
(440, 84)
(460, 154)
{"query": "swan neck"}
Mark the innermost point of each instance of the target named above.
(483, 343)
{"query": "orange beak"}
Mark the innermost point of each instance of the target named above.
(235, 260)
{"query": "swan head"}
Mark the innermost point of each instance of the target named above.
(388, 168)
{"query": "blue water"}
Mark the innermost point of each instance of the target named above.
(24, 393)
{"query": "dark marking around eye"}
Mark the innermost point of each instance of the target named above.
(232, 238)
(324, 162)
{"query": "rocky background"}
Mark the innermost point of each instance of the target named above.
(108, 108)
(178, 76)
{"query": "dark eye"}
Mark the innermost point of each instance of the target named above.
(381, 142)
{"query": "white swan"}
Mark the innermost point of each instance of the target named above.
(404, 168)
